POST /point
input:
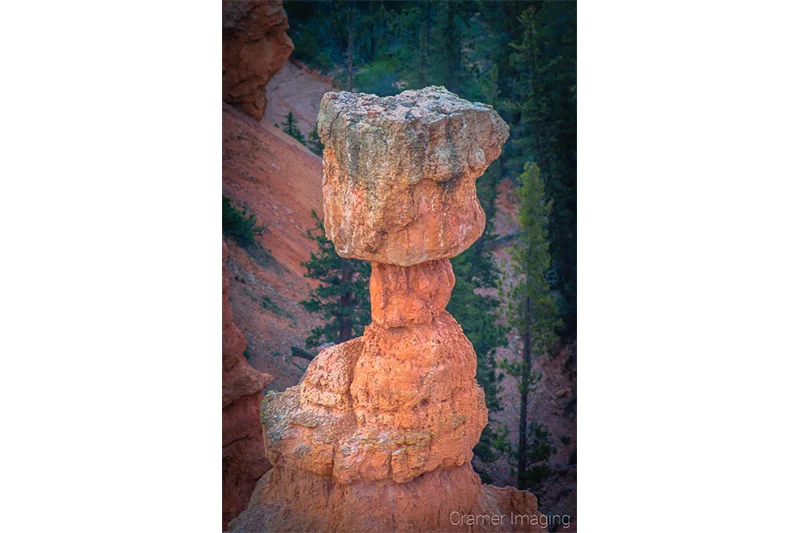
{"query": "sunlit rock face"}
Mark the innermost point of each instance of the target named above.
(379, 434)
(400, 173)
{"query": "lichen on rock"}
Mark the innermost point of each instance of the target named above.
(400, 171)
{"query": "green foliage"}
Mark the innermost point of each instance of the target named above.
(314, 143)
(239, 225)
(312, 51)
(269, 305)
(531, 261)
(290, 128)
(526, 378)
(545, 54)
(533, 313)
(379, 78)
(413, 43)
(343, 295)
(478, 316)
(493, 445)
(539, 451)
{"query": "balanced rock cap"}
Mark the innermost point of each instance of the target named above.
(400, 171)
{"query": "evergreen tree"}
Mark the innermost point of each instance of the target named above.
(533, 309)
(240, 225)
(545, 55)
(314, 142)
(538, 451)
(343, 295)
(290, 127)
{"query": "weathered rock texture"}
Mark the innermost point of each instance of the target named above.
(378, 436)
(400, 173)
(254, 48)
(243, 461)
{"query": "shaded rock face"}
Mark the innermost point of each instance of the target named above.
(400, 173)
(378, 436)
(243, 461)
(254, 48)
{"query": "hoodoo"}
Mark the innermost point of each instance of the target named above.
(378, 436)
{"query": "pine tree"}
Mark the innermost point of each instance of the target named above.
(290, 128)
(545, 55)
(533, 311)
(314, 142)
(538, 451)
(343, 295)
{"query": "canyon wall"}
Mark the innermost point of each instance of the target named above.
(378, 436)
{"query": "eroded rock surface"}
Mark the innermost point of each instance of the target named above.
(402, 296)
(393, 404)
(400, 173)
(255, 46)
(445, 500)
(379, 434)
(243, 461)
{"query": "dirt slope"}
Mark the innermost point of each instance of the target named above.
(299, 90)
(266, 172)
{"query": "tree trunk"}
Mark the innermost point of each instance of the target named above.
(346, 322)
(522, 464)
(350, 24)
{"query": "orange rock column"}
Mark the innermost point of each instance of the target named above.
(379, 434)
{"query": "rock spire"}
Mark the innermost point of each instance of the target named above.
(378, 436)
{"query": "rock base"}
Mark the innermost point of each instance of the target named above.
(445, 500)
